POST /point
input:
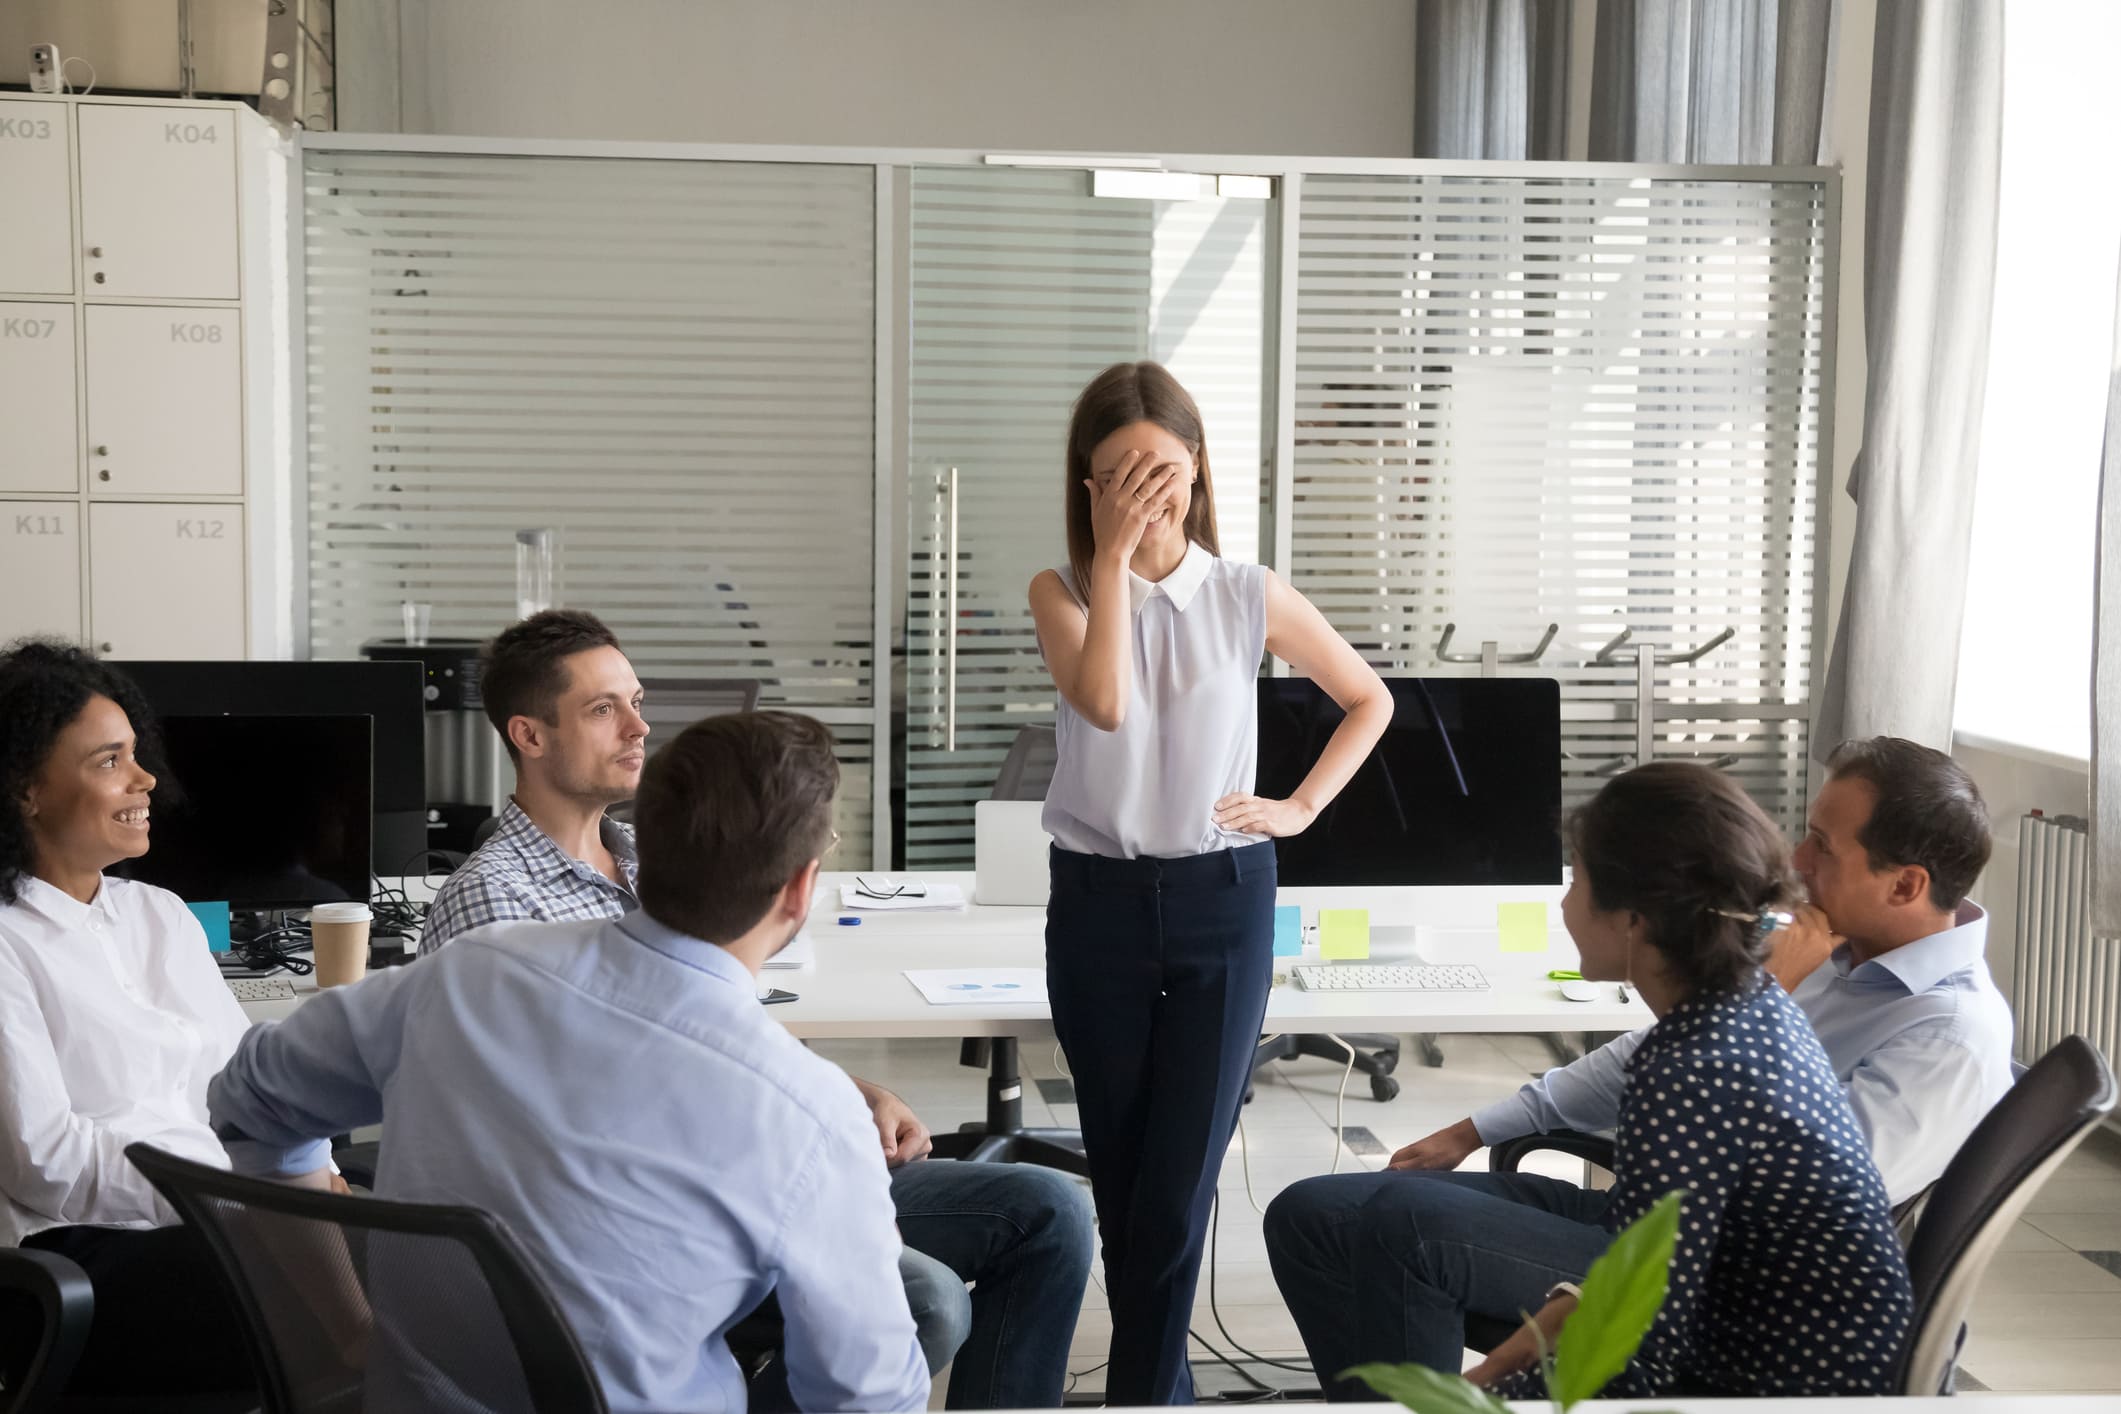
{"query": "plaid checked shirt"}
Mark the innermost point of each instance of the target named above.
(520, 873)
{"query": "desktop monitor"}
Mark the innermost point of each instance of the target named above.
(389, 693)
(261, 812)
(1464, 788)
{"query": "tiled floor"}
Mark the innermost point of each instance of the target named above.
(2048, 1317)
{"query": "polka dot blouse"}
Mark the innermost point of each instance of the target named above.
(1787, 1278)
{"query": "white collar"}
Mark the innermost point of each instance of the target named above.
(60, 906)
(1179, 586)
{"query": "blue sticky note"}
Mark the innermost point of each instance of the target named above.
(1288, 931)
(213, 917)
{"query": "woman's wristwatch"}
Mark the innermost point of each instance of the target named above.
(1565, 1288)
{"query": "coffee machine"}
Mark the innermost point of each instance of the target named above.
(468, 776)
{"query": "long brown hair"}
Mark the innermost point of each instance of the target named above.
(1124, 394)
(1684, 847)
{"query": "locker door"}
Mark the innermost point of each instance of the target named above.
(38, 434)
(166, 581)
(40, 569)
(165, 401)
(37, 215)
(158, 201)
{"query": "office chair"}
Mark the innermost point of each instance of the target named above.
(1001, 1137)
(1027, 771)
(46, 1307)
(357, 1303)
(1985, 1189)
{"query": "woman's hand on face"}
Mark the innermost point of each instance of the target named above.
(1257, 815)
(1120, 511)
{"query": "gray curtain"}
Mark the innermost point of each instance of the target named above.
(1710, 81)
(1929, 264)
(2106, 669)
(1491, 79)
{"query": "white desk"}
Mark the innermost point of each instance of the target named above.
(856, 989)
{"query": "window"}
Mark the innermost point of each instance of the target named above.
(2026, 642)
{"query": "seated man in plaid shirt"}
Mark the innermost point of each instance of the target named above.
(567, 704)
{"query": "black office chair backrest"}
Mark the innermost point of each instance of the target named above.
(361, 1304)
(1028, 768)
(669, 705)
(1985, 1189)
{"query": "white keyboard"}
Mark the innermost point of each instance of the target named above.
(261, 989)
(1384, 977)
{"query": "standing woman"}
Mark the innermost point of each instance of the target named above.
(1159, 935)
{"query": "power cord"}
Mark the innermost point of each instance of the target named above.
(278, 948)
(396, 915)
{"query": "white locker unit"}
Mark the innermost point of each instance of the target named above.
(166, 580)
(40, 569)
(37, 214)
(39, 441)
(145, 376)
(165, 400)
(158, 201)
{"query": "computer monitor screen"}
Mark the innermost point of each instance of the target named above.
(1464, 788)
(389, 692)
(261, 812)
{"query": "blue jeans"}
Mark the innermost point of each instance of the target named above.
(1386, 1266)
(1022, 1236)
(1158, 971)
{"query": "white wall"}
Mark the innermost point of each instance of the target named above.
(1322, 77)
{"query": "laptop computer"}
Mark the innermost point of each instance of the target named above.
(1009, 853)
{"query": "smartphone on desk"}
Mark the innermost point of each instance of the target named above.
(776, 995)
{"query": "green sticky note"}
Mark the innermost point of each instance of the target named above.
(1343, 933)
(1288, 931)
(1523, 926)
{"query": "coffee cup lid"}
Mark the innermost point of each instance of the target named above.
(341, 913)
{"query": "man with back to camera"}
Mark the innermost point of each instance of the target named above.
(612, 1091)
(566, 702)
(1903, 1004)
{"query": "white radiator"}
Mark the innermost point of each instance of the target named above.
(2065, 982)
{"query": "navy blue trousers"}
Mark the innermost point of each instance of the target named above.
(1158, 971)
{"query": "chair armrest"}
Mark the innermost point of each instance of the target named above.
(57, 1291)
(1591, 1148)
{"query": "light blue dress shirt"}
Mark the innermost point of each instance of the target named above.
(1920, 1038)
(613, 1093)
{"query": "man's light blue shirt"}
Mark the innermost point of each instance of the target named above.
(613, 1093)
(1920, 1037)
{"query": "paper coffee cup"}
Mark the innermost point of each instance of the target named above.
(338, 934)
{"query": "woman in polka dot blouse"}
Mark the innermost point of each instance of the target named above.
(1787, 1279)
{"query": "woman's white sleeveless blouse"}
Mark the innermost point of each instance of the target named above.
(1190, 735)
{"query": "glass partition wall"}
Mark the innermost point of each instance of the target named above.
(801, 420)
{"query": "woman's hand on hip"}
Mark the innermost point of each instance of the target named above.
(1120, 512)
(1257, 815)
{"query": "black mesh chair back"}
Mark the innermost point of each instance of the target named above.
(358, 1304)
(1028, 768)
(1984, 1191)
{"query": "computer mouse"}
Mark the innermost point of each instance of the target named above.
(1580, 991)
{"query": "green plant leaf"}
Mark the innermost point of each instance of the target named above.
(1426, 1391)
(1622, 1295)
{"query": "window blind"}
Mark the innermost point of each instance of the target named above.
(1585, 401)
(672, 363)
